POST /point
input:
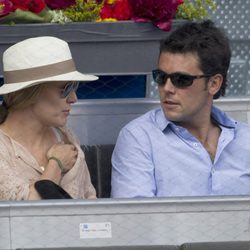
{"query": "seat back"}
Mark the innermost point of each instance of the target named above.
(98, 159)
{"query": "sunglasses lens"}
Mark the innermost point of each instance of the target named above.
(159, 76)
(178, 80)
(181, 80)
(69, 87)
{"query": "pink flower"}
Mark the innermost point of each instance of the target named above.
(160, 12)
(59, 4)
(6, 7)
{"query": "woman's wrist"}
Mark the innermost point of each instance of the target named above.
(58, 163)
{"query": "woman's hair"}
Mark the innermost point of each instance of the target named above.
(19, 100)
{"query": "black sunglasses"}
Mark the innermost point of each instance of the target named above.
(71, 86)
(178, 80)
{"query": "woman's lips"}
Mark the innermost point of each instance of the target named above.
(66, 112)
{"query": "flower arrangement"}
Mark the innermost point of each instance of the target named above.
(159, 12)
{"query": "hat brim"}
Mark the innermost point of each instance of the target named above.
(72, 76)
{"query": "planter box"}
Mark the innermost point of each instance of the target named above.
(99, 48)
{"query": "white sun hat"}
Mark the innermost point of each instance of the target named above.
(39, 60)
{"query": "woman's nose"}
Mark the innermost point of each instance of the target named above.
(72, 97)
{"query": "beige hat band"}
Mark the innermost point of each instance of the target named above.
(38, 73)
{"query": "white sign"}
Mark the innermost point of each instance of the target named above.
(95, 230)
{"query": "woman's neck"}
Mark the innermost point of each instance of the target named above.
(23, 127)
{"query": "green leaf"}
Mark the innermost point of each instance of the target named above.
(47, 15)
(20, 16)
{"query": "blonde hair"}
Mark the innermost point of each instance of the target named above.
(19, 100)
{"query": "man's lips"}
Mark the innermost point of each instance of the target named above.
(169, 102)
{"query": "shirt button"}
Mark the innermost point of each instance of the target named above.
(195, 144)
(213, 170)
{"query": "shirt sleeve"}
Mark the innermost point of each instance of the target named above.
(132, 166)
(90, 192)
(77, 181)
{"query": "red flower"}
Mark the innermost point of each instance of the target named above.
(179, 2)
(6, 7)
(59, 4)
(160, 12)
(120, 10)
(20, 4)
(106, 11)
(35, 6)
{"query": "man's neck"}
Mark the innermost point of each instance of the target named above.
(207, 133)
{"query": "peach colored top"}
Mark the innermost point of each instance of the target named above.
(19, 169)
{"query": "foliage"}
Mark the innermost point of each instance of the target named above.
(33, 11)
(83, 11)
(21, 16)
(195, 10)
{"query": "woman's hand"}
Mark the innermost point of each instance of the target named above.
(66, 153)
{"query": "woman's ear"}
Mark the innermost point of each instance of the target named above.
(214, 84)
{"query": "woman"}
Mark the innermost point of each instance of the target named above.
(40, 84)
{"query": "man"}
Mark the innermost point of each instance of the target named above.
(187, 147)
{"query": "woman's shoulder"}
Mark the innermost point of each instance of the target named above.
(4, 137)
(6, 144)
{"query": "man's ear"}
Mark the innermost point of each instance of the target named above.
(214, 84)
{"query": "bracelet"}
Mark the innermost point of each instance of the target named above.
(59, 163)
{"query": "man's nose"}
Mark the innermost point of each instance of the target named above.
(168, 86)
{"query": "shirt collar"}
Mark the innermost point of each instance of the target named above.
(22, 153)
(219, 116)
(222, 118)
(161, 119)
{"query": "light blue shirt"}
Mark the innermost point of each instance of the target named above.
(154, 157)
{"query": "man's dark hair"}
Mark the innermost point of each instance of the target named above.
(209, 42)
